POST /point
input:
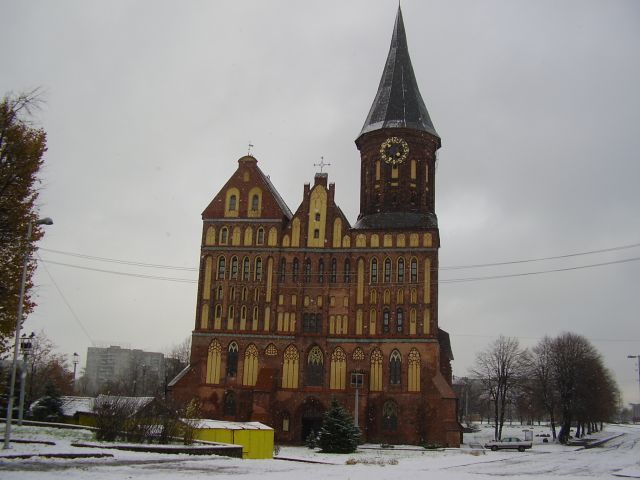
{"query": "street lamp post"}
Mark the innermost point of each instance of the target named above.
(19, 320)
(356, 382)
(637, 357)
(76, 359)
(26, 343)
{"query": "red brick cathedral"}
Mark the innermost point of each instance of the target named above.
(295, 308)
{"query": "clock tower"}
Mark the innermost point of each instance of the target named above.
(398, 145)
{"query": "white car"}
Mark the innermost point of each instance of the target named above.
(509, 442)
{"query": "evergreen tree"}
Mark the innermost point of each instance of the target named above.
(338, 434)
(49, 407)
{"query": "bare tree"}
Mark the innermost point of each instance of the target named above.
(542, 380)
(500, 368)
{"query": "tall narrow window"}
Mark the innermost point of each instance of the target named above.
(260, 236)
(414, 270)
(255, 203)
(224, 235)
(395, 368)
(311, 323)
(245, 268)
(321, 271)
(258, 270)
(390, 416)
(315, 367)
(401, 270)
(221, 267)
(233, 203)
(347, 271)
(307, 270)
(234, 268)
(387, 270)
(399, 320)
(296, 269)
(219, 293)
(282, 270)
(374, 270)
(385, 321)
(334, 270)
(232, 360)
(229, 403)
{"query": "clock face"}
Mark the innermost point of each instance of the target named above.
(394, 150)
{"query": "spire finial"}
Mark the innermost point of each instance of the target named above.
(250, 147)
(322, 164)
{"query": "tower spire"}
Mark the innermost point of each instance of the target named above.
(398, 103)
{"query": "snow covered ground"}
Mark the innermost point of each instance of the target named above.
(620, 457)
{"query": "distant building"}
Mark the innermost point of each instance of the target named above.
(635, 412)
(123, 370)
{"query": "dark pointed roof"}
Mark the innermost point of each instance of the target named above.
(398, 103)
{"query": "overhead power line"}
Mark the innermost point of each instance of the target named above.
(66, 302)
(115, 260)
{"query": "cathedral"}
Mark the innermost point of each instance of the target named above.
(295, 308)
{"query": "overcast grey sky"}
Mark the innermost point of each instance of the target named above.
(151, 103)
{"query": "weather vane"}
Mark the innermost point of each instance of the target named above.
(322, 164)
(250, 147)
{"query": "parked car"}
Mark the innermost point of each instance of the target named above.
(509, 442)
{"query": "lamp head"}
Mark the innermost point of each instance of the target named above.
(45, 221)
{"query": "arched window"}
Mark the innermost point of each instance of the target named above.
(296, 269)
(390, 416)
(213, 362)
(375, 371)
(245, 268)
(260, 236)
(315, 367)
(221, 267)
(334, 270)
(282, 271)
(219, 293)
(255, 202)
(233, 203)
(245, 294)
(414, 270)
(401, 270)
(338, 379)
(321, 271)
(385, 320)
(258, 271)
(307, 270)
(414, 371)
(387, 270)
(232, 359)
(224, 235)
(234, 267)
(229, 405)
(250, 368)
(290, 367)
(347, 271)
(374, 271)
(399, 320)
(395, 368)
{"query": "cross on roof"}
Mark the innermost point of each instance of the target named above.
(250, 147)
(322, 164)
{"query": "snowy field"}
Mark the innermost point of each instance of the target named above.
(619, 457)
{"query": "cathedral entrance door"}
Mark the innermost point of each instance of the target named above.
(311, 418)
